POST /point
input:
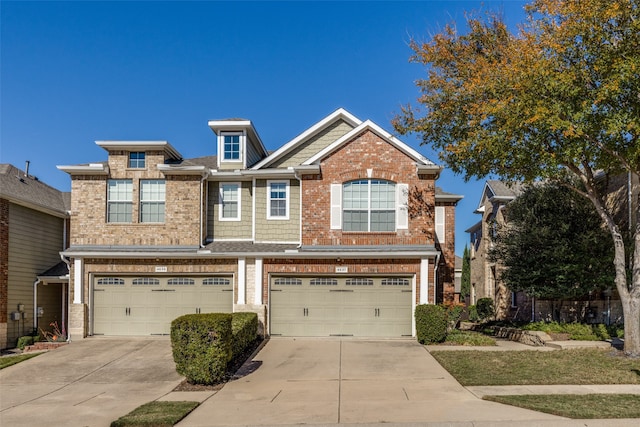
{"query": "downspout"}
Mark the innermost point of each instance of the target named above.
(253, 208)
(299, 178)
(203, 198)
(435, 277)
(35, 304)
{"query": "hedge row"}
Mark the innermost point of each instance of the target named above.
(204, 344)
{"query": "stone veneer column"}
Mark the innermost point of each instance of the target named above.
(4, 270)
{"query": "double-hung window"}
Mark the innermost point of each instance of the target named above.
(369, 205)
(277, 200)
(152, 200)
(119, 200)
(229, 201)
(231, 147)
(137, 160)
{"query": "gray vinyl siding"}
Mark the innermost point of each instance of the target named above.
(253, 154)
(230, 230)
(35, 240)
(275, 230)
(313, 145)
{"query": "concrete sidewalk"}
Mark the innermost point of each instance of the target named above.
(329, 382)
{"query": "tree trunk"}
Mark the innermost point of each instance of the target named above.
(631, 310)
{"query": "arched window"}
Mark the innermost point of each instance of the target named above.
(369, 205)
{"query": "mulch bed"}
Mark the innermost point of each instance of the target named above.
(233, 371)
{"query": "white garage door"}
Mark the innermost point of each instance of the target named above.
(147, 305)
(341, 306)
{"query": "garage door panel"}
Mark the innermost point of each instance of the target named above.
(148, 305)
(358, 306)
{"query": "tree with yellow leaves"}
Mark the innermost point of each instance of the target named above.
(561, 97)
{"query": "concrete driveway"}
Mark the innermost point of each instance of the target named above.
(87, 383)
(329, 381)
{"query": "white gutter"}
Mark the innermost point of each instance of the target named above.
(225, 255)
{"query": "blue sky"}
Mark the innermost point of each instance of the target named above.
(76, 72)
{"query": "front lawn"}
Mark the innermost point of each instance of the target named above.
(581, 366)
(6, 361)
(468, 338)
(156, 414)
(577, 406)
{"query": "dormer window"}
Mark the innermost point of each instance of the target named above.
(136, 160)
(231, 147)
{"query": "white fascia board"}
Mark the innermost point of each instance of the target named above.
(474, 227)
(269, 173)
(306, 169)
(140, 146)
(449, 197)
(369, 125)
(340, 113)
(218, 126)
(480, 207)
(182, 170)
(91, 169)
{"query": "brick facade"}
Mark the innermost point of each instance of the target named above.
(367, 152)
(228, 247)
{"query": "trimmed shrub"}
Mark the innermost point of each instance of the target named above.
(485, 308)
(431, 323)
(201, 345)
(244, 330)
(473, 313)
(24, 341)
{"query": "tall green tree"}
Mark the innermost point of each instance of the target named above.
(553, 245)
(559, 98)
(465, 279)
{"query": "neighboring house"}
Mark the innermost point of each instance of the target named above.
(33, 278)
(323, 236)
(596, 307)
(485, 274)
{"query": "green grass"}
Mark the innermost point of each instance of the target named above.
(156, 414)
(577, 406)
(469, 338)
(581, 366)
(7, 361)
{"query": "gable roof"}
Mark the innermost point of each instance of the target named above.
(371, 126)
(339, 114)
(26, 190)
(499, 191)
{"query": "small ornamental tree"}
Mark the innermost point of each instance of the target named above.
(557, 99)
(465, 280)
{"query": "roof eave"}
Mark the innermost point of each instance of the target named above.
(141, 146)
(91, 169)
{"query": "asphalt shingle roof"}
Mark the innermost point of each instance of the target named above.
(15, 185)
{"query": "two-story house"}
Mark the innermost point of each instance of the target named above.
(33, 278)
(340, 231)
(485, 273)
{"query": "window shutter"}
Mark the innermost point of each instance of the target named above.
(440, 223)
(402, 206)
(336, 206)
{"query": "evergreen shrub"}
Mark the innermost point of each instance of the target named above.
(431, 323)
(201, 345)
(485, 308)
